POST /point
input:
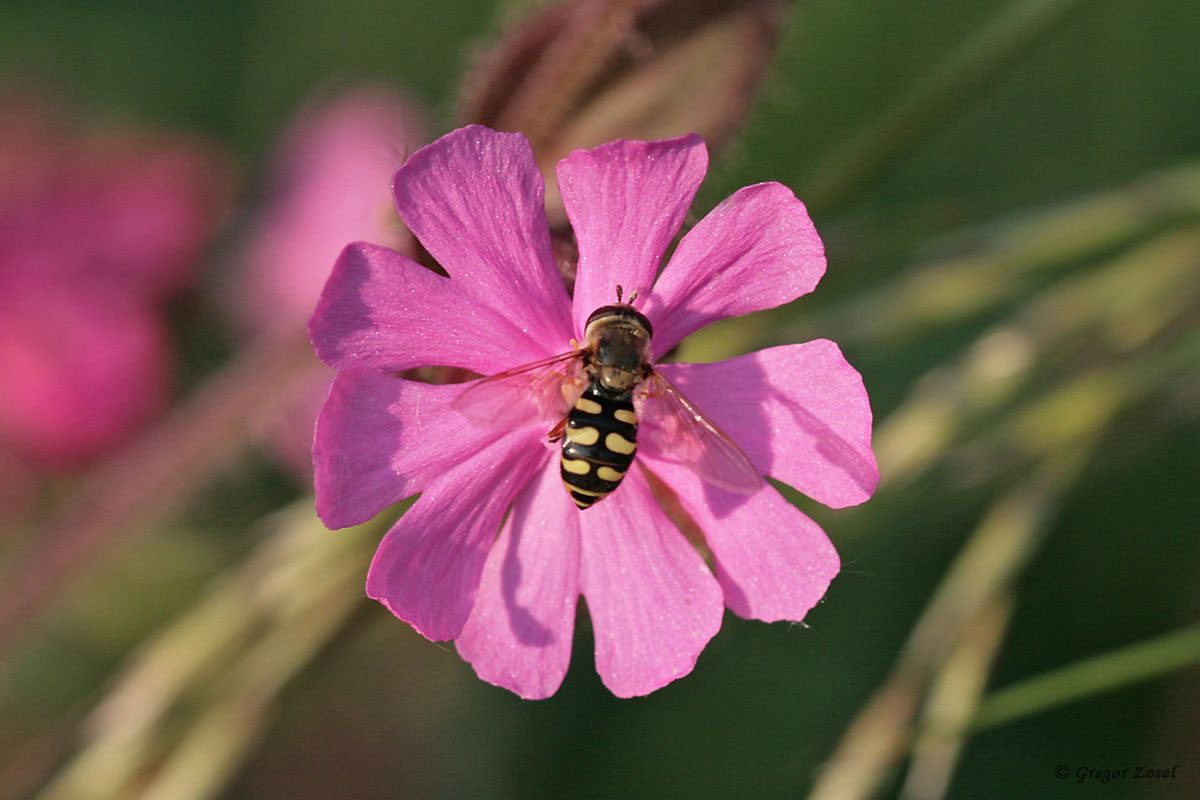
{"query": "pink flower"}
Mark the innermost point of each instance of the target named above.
(84, 368)
(96, 230)
(474, 199)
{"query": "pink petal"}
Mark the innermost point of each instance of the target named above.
(800, 413)
(654, 604)
(519, 634)
(427, 568)
(475, 199)
(756, 250)
(381, 438)
(626, 201)
(381, 311)
(773, 562)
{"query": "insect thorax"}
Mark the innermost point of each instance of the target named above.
(618, 347)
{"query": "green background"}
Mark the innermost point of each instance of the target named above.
(1101, 101)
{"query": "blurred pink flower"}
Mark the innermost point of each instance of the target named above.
(83, 368)
(329, 183)
(474, 199)
(96, 230)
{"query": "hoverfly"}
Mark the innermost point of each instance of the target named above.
(595, 391)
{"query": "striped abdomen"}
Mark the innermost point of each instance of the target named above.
(599, 444)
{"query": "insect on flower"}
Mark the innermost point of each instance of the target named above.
(597, 386)
(494, 554)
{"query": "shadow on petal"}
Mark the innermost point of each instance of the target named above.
(836, 450)
(525, 626)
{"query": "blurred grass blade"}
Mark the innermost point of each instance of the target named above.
(1010, 260)
(1104, 673)
(189, 707)
(954, 694)
(1101, 318)
(1082, 407)
(943, 94)
(881, 733)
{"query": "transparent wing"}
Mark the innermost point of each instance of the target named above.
(543, 389)
(694, 440)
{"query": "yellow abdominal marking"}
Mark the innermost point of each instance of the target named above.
(618, 443)
(588, 406)
(609, 474)
(584, 436)
(577, 490)
(625, 415)
(576, 466)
